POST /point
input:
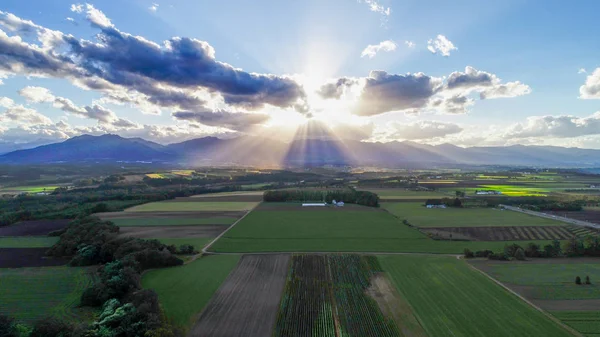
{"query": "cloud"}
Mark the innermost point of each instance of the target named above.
(488, 85)
(372, 49)
(555, 126)
(510, 89)
(231, 120)
(374, 6)
(179, 74)
(441, 45)
(591, 88)
(154, 7)
(21, 114)
(471, 78)
(422, 130)
(385, 92)
(453, 105)
(36, 94)
(582, 71)
(336, 89)
(6, 102)
(410, 44)
(71, 20)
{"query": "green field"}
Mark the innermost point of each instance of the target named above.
(198, 243)
(586, 322)
(421, 216)
(29, 189)
(552, 281)
(400, 193)
(183, 291)
(135, 222)
(336, 231)
(29, 294)
(27, 241)
(193, 206)
(451, 299)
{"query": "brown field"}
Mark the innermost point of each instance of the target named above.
(585, 215)
(169, 215)
(34, 227)
(247, 302)
(500, 233)
(205, 231)
(28, 257)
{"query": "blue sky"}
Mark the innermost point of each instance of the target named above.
(533, 61)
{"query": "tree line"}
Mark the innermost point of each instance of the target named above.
(574, 247)
(349, 195)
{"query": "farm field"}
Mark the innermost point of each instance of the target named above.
(230, 194)
(28, 257)
(330, 295)
(246, 304)
(451, 299)
(153, 221)
(400, 193)
(588, 214)
(184, 291)
(420, 216)
(33, 228)
(585, 322)
(29, 189)
(27, 241)
(32, 293)
(204, 231)
(166, 206)
(198, 243)
(519, 233)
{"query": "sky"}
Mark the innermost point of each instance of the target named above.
(463, 72)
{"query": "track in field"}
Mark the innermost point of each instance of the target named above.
(328, 295)
(246, 304)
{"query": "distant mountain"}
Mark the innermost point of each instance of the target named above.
(6, 147)
(302, 151)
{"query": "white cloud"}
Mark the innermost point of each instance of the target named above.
(421, 130)
(95, 16)
(6, 102)
(154, 7)
(372, 49)
(591, 88)
(510, 89)
(36, 94)
(441, 45)
(410, 44)
(556, 126)
(376, 7)
(582, 71)
(23, 115)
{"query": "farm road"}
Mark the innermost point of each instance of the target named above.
(553, 217)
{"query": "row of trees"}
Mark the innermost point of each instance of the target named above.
(350, 196)
(449, 202)
(574, 247)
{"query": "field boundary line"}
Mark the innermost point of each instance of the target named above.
(207, 246)
(575, 222)
(552, 318)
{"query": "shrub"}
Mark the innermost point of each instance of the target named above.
(511, 250)
(7, 327)
(187, 250)
(587, 280)
(52, 327)
(468, 253)
(483, 253)
(499, 257)
(578, 280)
(520, 254)
(532, 250)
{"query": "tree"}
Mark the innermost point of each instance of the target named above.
(520, 254)
(468, 253)
(573, 247)
(532, 250)
(587, 280)
(578, 280)
(7, 327)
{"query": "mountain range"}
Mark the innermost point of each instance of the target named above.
(256, 151)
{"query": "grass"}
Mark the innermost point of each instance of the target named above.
(400, 193)
(198, 243)
(183, 291)
(193, 206)
(420, 216)
(551, 281)
(27, 241)
(129, 222)
(30, 189)
(29, 294)
(336, 231)
(451, 299)
(586, 322)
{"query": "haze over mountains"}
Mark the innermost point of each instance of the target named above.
(250, 150)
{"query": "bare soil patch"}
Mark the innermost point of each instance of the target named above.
(142, 232)
(169, 215)
(28, 257)
(34, 227)
(500, 233)
(395, 306)
(247, 302)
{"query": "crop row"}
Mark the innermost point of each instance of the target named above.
(325, 295)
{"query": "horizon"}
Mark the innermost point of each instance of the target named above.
(84, 68)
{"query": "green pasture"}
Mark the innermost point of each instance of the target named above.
(451, 299)
(193, 206)
(184, 290)
(30, 189)
(198, 243)
(419, 215)
(551, 281)
(585, 322)
(29, 294)
(135, 222)
(400, 193)
(27, 241)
